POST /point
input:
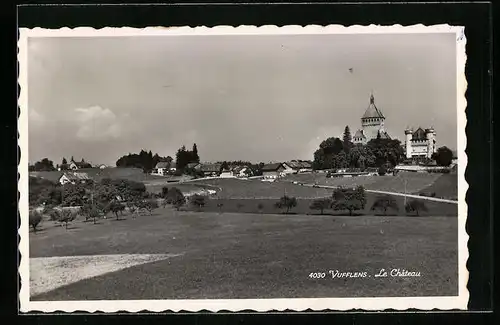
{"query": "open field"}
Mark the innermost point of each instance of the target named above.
(231, 188)
(255, 256)
(133, 174)
(415, 182)
(445, 186)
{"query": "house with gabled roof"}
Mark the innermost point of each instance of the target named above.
(300, 166)
(210, 169)
(73, 178)
(276, 170)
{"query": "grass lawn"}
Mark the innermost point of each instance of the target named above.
(233, 255)
(415, 181)
(445, 186)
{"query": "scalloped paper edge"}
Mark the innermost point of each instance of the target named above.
(234, 305)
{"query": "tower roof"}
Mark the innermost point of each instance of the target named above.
(359, 134)
(372, 111)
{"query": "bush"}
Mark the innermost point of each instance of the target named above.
(35, 218)
(382, 170)
(415, 206)
(383, 203)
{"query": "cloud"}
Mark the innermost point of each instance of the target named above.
(97, 123)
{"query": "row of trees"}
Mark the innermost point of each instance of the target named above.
(144, 160)
(334, 153)
(183, 157)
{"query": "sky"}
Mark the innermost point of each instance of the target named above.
(249, 97)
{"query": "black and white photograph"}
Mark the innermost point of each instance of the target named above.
(243, 168)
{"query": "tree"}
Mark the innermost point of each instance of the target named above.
(443, 156)
(383, 203)
(260, 207)
(287, 203)
(320, 204)
(349, 199)
(415, 206)
(220, 205)
(176, 198)
(194, 154)
(164, 191)
(35, 218)
(224, 165)
(382, 170)
(150, 205)
(44, 165)
(198, 201)
(386, 151)
(116, 207)
(347, 139)
(91, 211)
(64, 216)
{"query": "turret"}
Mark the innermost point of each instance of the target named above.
(430, 135)
(408, 136)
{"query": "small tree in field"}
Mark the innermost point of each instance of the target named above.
(91, 211)
(320, 204)
(164, 192)
(176, 198)
(239, 206)
(286, 203)
(116, 208)
(133, 207)
(198, 201)
(220, 205)
(150, 205)
(65, 216)
(35, 218)
(383, 203)
(349, 199)
(382, 170)
(260, 207)
(415, 206)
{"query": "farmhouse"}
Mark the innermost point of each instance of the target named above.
(73, 178)
(276, 170)
(210, 169)
(161, 168)
(241, 171)
(74, 165)
(300, 166)
(192, 165)
(226, 173)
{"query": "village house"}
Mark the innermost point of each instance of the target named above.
(226, 173)
(75, 165)
(276, 170)
(209, 169)
(193, 165)
(161, 168)
(242, 171)
(73, 178)
(300, 166)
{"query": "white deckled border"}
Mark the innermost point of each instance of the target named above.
(260, 305)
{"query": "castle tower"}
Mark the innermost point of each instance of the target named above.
(408, 137)
(372, 121)
(430, 135)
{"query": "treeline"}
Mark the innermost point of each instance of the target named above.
(144, 160)
(334, 153)
(183, 157)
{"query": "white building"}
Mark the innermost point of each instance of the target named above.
(372, 125)
(420, 143)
